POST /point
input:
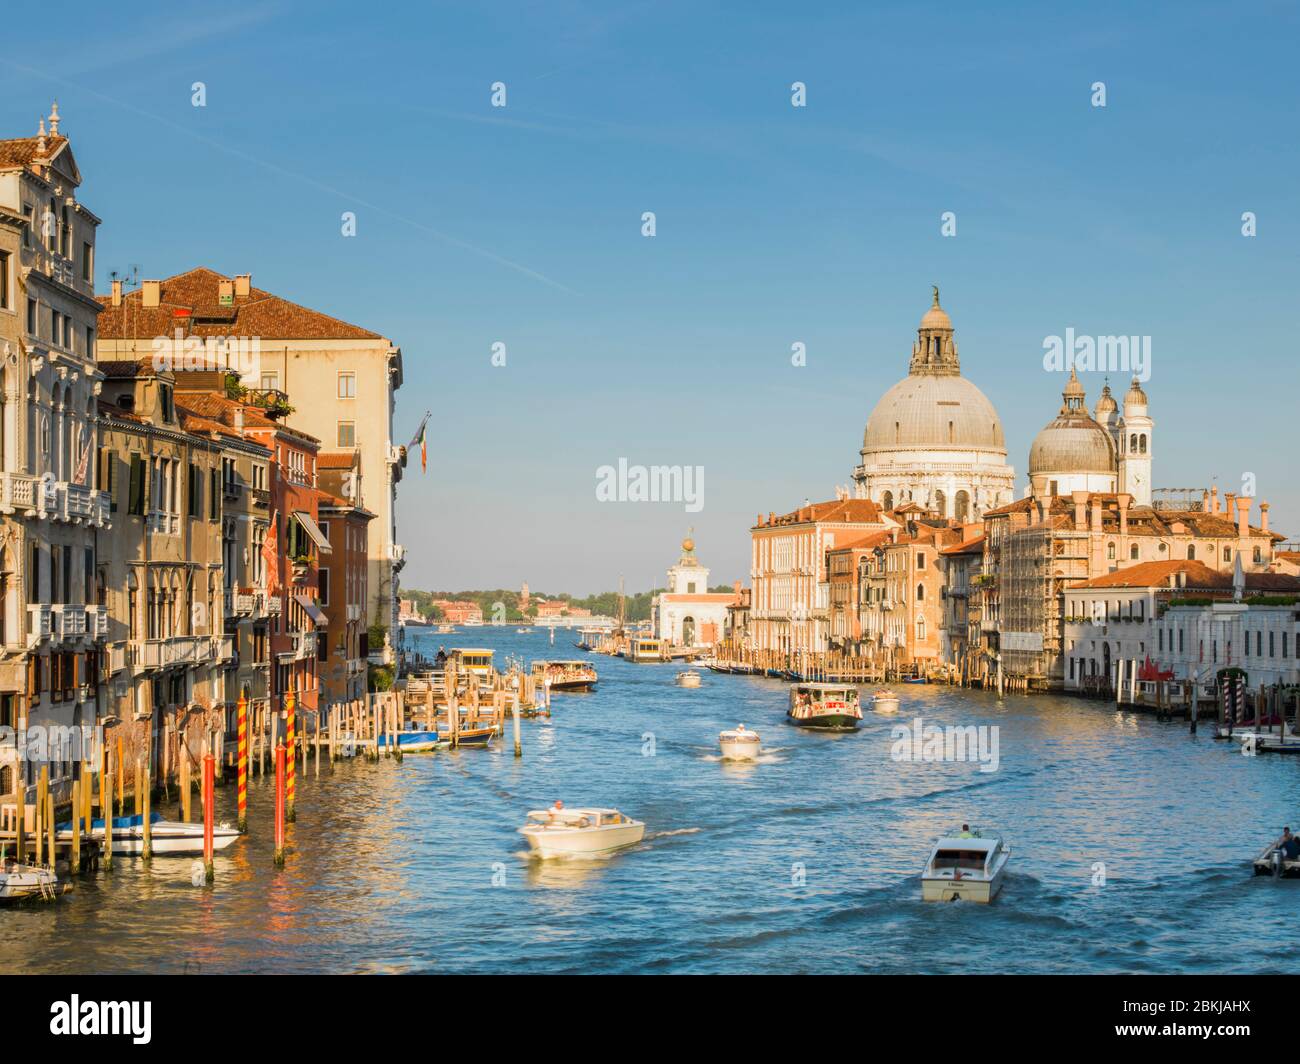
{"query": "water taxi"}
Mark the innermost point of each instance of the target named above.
(477, 660)
(688, 678)
(965, 866)
(167, 838)
(884, 702)
(523, 631)
(565, 675)
(444, 629)
(643, 649)
(739, 744)
(560, 832)
(473, 622)
(19, 881)
(829, 706)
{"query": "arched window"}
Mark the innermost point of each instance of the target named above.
(961, 509)
(1133, 551)
(1142, 443)
(920, 592)
(1110, 551)
(887, 500)
(1133, 443)
(941, 504)
(1191, 552)
(920, 629)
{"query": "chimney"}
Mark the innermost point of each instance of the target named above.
(239, 420)
(771, 517)
(117, 293)
(150, 293)
(1227, 504)
(1205, 502)
(243, 284)
(1080, 504)
(1096, 515)
(1214, 499)
(1243, 517)
(225, 291)
(1263, 516)
(758, 521)
(1124, 501)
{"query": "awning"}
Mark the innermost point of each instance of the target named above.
(312, 610)
(313, 530)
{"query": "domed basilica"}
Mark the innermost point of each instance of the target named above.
(934, 439)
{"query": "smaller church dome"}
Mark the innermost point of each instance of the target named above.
(936, 317)
(1136, 396)
(1106, 404)
(1072, 442)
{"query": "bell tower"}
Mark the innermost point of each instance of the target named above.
(1135, 432)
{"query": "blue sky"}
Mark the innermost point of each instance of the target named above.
(775, 225)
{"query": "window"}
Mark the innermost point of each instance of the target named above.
(324, 577)
(920, 592)
(5, 282)
(270, 382)
(135, 498)
(87, 262)
(1191, 552)
(1227, 554)
(196, 491)
(347, 433)
(31, 317)
(920, 561)
(347, 385)
(1133, 552)
(168, 407)
(214, 493)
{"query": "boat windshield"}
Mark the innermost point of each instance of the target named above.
(969, 859)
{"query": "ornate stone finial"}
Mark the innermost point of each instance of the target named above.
(936, 295)
(54, 119)
(40, 137)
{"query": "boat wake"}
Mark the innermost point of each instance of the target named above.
(669, 834)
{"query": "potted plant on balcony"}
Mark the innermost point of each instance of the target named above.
(301, 563)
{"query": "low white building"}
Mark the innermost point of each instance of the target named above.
(686, 613)
(1179, 619)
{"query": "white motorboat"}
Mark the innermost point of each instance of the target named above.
(884, 702)
(167, 838)
(965, 866)
(580, 832)
(739, 744)
(18, 881)
(688, 678)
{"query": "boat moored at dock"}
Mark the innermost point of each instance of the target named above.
(560, 832)
(965, 866)
(643, 649)
(21, 881)
(413, 741)
(827, 706)
(739, 744)
(167, 838)
(476, 660)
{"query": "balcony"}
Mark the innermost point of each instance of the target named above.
(163, 523)
(303, 646)
(250, 603)
(74, 503)
(69, 621)
(261, 497)
(232, 490)
(223, 648)
(40, 618)
(18, 492)
(177, 650)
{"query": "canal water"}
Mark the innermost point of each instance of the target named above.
(1131, 850)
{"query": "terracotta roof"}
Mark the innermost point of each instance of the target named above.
(1198, 576)
(22, 151)
(221, 409)
(336, 459)
(258, 314)
(970, 546)
(842, 511)
(866, 541)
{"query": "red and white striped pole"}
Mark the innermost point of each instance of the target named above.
(291, 784)
(279, 804)
(209, 766)
(243, 762)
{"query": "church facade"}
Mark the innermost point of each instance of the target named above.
(934, 439)
(686, 614)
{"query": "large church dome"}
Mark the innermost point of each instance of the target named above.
(934, 438)
(934, 413)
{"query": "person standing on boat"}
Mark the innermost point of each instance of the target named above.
(441, 659)
(1289, 845)
(556, 809)
(966, 832)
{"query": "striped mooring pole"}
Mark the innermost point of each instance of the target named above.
(279, 804)
(209, 815)
(242, 712)
(291, 769)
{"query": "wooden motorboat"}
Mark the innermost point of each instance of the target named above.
(477, 736)
(827, 706)
(688, 678)
(414, 742)
(19, 881)
(565, 675)
(1273, 862)
(167, 838)
(559, 832)
(884, 702)
(965, 866)
(739, 744)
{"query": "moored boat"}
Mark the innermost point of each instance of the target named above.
(19, 881)
(828, 706)
(560, 832)
(167, 838)
(884, 702)
(643, 649)
(477, 660)
(739, 744)
(688, 678)
(565, 675)
(965, 866)
(414, 742)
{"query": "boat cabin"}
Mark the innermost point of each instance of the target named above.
(642, 648)
(473, 659)
(828, 696)
(971, 856)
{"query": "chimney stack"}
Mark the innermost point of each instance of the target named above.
(1205, 502)
(1214, 499)
(1096, 515)
(117, 293)
(1243, 517)
(1124, 501)
(225, 291)
(150, 293)
(1228, 507)
(1263, 516)
(243, 284)
(1080, 505)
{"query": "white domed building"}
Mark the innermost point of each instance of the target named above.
(934, 439)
